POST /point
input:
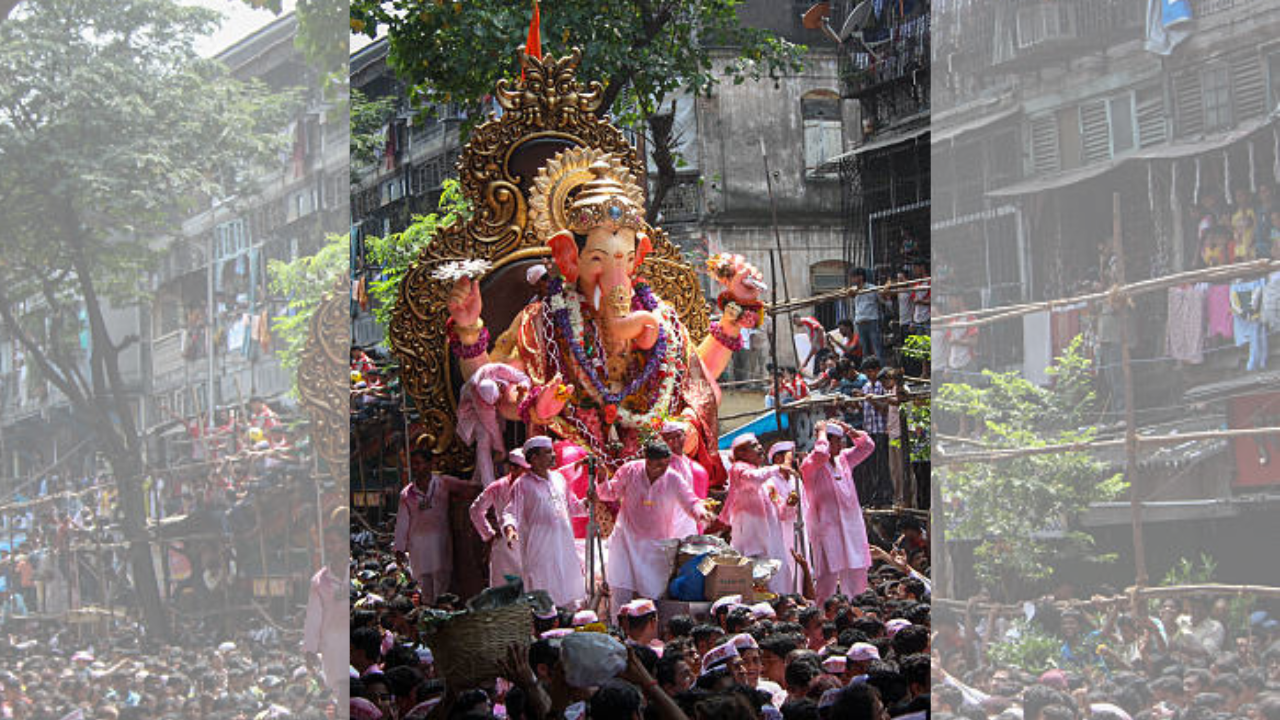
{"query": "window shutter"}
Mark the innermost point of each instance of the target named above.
(1188, 109)
(1250, 90)
(1152, 128)
(1044, 145)
(1095, 135)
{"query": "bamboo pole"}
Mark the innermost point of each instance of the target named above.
(1222, 273)
(1150, 440)
(1133, 593)
(1130, 429)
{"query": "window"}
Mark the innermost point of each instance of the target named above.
(820, 111)
(1043, 137)
(230, 239)
(824, 277)
(1149, 109)
(1273, 79)
(1106, 128)
(1215, 85)
(1046, 22)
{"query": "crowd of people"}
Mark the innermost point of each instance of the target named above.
(841, 632)
(73, 643)
(1191, 658)
(50, 670)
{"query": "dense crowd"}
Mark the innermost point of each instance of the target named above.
(795, 656)
(50, 670)
(1191, 658)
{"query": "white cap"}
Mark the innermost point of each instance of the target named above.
(674, 426)
(717, 656)
(763, 610)
(836, 430)
(535, 273)
(726, 600)
(743, 439)
(743, 641)
(535, 442)
(781, 447)
(835, 664)
(862, 651)
(516, 457)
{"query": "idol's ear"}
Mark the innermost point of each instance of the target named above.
(564, 251)
(644, 246)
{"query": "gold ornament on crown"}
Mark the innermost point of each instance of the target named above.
(584, 188)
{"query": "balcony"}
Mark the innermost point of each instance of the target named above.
(901, 53)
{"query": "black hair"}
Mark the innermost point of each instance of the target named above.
(780, 644)
(665, 672)
(656, 451)
(367, 640)
(701, 632)
(801, 671)
(615, 699)
(680, 625)
(543, 652)
(910, 640)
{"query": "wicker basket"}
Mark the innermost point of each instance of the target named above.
(468, 648)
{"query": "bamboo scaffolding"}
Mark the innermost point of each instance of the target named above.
(1132, 594)
(892, 288)
(1148, 440)
(988, 316)
(824, 400)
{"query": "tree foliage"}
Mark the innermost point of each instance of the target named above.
(642, 51)
(306, 281)
(1024, 510)
(367, 120)
(112, 130)
(391, 256)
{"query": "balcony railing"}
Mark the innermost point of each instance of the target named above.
(903, 52)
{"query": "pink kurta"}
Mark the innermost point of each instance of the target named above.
(696, 478)
(421, 531)
(539, 510)
(833, 514)
(325, 630)
(646, 518)
(756, 516)
(503, 560)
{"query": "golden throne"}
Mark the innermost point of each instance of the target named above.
(546, 112)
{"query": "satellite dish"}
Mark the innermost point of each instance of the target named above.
(856, 20)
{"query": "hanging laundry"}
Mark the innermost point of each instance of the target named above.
(1065, 326)
(1186, 323)
(1218, 305)
(1246, 312)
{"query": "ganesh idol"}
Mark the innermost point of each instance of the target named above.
(600, 360)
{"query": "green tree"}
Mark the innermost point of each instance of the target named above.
(111, 130)
(306, 281)
(367, 119)
(392, 255)
(642, 51)
(1024, 510)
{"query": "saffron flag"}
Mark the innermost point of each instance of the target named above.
(533, 44)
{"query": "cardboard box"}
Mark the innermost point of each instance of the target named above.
(727, 576)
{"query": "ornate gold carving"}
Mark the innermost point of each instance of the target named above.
(549, 105)
(323, 381)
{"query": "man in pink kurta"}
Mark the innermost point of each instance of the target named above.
(503, 560)
(650, 494)
(326, 629)
(689, 470)
(422, 526)
(537, 519)
(833, 514)
(756, 511)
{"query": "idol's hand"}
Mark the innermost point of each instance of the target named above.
(464, 303)
(553, 398)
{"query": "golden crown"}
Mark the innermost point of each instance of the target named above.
(583, 188)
